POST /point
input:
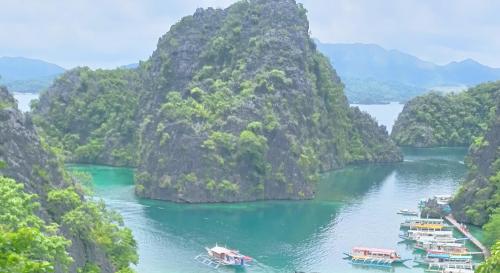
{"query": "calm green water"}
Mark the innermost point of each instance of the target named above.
(355, 206)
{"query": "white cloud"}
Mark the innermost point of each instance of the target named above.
(107, 33)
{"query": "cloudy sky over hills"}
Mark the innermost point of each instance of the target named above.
(107, 33)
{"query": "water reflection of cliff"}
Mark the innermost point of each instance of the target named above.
(455, 154)
(430, 171)
(352, 182)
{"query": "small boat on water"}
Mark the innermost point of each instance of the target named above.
(407, 212)
(443, 199)
(219, 255)
(374, 256)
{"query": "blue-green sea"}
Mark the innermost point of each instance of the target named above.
(355, 206)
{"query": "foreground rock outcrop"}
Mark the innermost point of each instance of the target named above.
(28, 160)
(479, 197)
(233, 105)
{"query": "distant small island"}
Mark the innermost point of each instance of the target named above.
(447, 119)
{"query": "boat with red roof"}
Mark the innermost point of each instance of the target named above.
(374, 256)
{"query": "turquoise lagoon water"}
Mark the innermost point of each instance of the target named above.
(355, 206)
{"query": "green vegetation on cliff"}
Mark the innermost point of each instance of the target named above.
(233, 105)
(27, 243)
(90, 115)
(46, 222)
(446, 120)
(478, 199)
(492, 264)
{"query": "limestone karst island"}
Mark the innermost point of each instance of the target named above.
(258, 136)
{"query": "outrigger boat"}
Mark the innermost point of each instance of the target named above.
(407, 212)
(421, 221)
(430, 227)
(441, 247)
(428, 235)
(447, 261)
(219, 255)
(374, 257)
(456, 270)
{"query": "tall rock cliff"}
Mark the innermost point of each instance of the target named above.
(26, 159)
(478, 198)
(233, 105)
(241, 106)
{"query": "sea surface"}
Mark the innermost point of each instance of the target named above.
(385, 114)
(355, 206)
(24, 99)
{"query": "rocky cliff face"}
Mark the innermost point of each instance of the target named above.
(446, 120)
(233, 105)
(24, 158)
(480, 195)
(241, 106)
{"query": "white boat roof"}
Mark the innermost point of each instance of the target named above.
(220, 249)
(444, 244)
(428, 219)
(437, 232)
(442, 196)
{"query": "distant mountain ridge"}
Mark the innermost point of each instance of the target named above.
(21, 74)
(371, 73)
(372, 62)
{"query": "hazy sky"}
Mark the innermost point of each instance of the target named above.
(108, 33)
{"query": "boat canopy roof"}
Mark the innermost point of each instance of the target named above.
(425, 220)
(430, 226)
(442, 196)
(430, 232)
(223, 250)
(374, 250)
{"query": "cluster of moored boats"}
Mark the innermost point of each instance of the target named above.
(432, 238)
(440, 251)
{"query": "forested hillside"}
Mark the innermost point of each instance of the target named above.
(91, 115)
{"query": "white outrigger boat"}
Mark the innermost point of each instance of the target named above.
(442, 247)
(422, 221)
(456, 270)
(428, 235)
(433, 239)
(407, 212)
(218, 255)
(448, 262)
